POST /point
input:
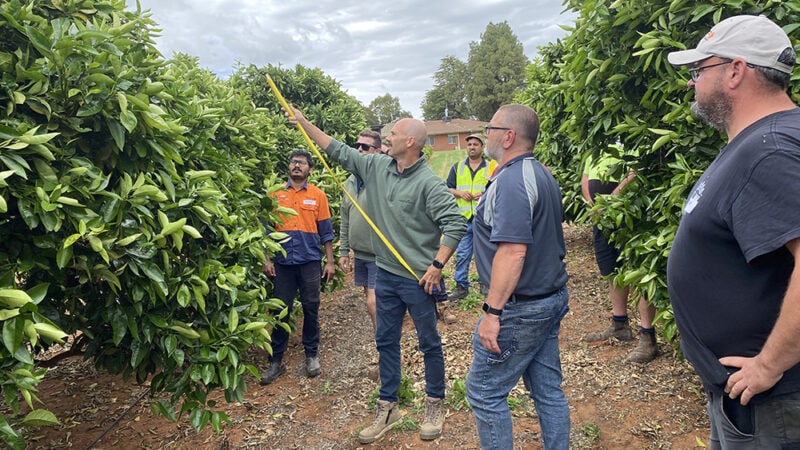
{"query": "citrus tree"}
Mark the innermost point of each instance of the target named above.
(132, 197)
(608, 85)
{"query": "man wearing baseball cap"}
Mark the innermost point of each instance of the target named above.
(734, 267)
(467, 181)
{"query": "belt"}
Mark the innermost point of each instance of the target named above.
(530, 298)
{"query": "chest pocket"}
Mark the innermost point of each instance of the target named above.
(308, 205)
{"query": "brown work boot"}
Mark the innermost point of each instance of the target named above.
(646, 350)
(431, 427)
(619, 330)
(446, 314)
(387, 416)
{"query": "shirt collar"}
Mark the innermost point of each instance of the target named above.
(304, 186)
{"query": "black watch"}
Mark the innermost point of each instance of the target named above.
(437, 264)
(489, 310)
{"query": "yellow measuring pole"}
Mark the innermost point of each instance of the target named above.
(313, 148)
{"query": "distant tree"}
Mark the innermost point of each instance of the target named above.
(449, 91)
(318, 95)
(384, 109)
(496, 69)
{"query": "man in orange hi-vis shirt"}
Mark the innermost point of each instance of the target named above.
(300, 269)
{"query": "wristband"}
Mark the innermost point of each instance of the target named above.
(489, 310)
(437, 264)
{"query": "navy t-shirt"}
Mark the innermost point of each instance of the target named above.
(729, 268)
(522, 205)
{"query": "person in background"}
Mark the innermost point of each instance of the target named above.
(467, 181)
(733, 272)
(301, 269)
(519, 248)
(412, 207)
(354, 231)
(595, 181)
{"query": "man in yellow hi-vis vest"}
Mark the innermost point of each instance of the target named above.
(467, 181)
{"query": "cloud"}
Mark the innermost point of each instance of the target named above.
(371, 48)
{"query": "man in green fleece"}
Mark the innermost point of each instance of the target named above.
(417, 213)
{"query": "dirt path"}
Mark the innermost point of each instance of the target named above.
(613, 404)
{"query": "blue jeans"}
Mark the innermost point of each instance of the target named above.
(394, 295)
(288, 280)
(529, 341)
(463, 258)
(775, 423)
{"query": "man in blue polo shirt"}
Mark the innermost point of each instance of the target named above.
(519, 248)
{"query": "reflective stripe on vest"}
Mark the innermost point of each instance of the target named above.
(465, 182)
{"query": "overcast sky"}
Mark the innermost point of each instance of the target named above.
(370, 47)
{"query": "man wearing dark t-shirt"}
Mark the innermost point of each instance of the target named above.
(733, 281)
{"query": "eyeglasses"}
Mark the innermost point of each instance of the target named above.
(298, 162)
(363, 147)
(694, 72)
(488, 128)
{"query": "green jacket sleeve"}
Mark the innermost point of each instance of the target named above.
(443, 210)
(344, 224)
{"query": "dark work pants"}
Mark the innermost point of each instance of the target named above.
(288, 280)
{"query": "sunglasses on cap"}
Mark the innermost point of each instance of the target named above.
(362, 147)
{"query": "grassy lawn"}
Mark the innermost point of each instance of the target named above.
(443, 160)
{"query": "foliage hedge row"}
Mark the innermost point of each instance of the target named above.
(133, 193)
(609, 82)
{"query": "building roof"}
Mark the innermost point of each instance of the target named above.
(439, 127)
(454, 126)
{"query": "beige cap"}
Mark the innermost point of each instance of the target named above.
(476, 136)
(755, 39)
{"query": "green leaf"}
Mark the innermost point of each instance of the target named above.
(12, 334)
(10, 436)
(63, 257)
(184, 296)
(119, 325)
(38, 292)
(158, 321)
(165, 409)
(90, 108)
(152, 271)
(39, 40)
(6, 314)
(14, 297)
(31, 138)
(16, 163)
(39, 106)
(138, 353)
(40, 418)
(45, 171)
(117, 132)
(26, 210)
(233, 320)
(49, 331)
(128, 120)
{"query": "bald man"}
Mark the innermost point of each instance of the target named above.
(417, 213)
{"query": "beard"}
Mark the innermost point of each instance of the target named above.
(715, 111)
(298, 176)
(491, 153)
